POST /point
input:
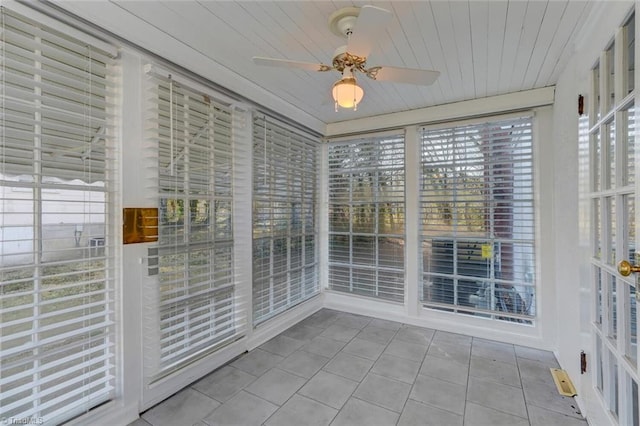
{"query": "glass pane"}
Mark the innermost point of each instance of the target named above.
(598, 296)
(340, 278)
(630, 29)
(599, 363)
(339, 248)
(391, 285)
(261, 258)
(597, 227)
(630, 176)
(339, 218)
(610, 77)
(391, 252)
(171, 228)
(630, 225)
(595, 165)
(610, 163)
(295, 253)
(391, 218)
(610, 205)
(364, 282)
(279, 255)
(223, 221)
(613, 303)
(632, 351)
(438, 289)
(310, 250)
(635, 416)
(363, 219)
(613, 373)
(364, 250)
(596, 91)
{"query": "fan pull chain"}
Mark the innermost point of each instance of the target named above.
(355, 105)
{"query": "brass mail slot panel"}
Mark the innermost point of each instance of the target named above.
(140, 225)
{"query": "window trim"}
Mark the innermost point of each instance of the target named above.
(156, 370)
(456, 308)
(301, 141)
(374, 140)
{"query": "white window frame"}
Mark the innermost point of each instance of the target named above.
(347, 272)
(220, 139)
(286, 173)
(478, 246)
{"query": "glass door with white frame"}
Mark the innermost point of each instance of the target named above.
(609, 133)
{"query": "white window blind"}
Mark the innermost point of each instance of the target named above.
(478, 219)
(366, 217)
(57, 272)
(285, 185)
(198, 306)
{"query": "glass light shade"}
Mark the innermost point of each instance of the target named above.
(347, 93)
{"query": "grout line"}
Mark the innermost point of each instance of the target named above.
(466, 390)
(416, 377)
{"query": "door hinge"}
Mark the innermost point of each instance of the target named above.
(583, 362)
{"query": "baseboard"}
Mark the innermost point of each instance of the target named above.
(506, 332)
(113, 413)
(271, 328)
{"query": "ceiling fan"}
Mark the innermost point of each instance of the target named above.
(361, 27)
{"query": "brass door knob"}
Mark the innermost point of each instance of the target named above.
(625, 268)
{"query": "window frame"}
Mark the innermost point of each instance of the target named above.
(347, 273)
(209, 175)
(286, 173)
(476, 244)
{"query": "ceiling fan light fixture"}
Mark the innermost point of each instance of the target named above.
(347, 93)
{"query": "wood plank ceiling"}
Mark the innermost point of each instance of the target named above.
(481, 48)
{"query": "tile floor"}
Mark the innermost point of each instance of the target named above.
(342, 369)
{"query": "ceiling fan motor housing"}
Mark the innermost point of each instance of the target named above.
(342, 21)
(344, 60)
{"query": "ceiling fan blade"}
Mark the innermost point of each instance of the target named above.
(285, 63)
(404, 75)
(370, 23)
